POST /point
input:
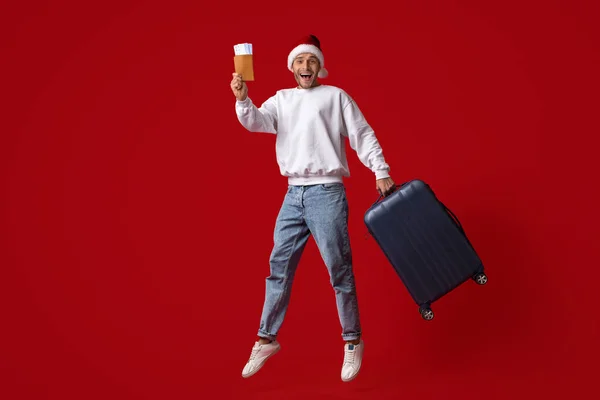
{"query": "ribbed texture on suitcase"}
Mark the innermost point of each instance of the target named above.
(425, 246)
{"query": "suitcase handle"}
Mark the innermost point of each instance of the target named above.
(394, 188)
(458, 224)
(454, 217)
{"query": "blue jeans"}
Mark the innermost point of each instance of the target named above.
(320, 210)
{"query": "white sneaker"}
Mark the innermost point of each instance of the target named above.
(353, 354)
(259, 355)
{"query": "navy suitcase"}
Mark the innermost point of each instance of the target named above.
(424, 242)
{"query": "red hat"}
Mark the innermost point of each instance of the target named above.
(308, 44)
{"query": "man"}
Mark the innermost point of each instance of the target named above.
(311, 122)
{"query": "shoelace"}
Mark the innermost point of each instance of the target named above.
(254, 352)
(349, 356)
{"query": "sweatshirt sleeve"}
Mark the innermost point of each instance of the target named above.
(363, 140)
(263, 119)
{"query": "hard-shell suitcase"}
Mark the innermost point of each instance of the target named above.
(424, 242)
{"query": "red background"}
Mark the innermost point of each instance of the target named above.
(137, 214)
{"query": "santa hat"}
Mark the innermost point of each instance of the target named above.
(308, 44)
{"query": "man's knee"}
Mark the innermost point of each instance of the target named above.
(341, 275)
(279, 254)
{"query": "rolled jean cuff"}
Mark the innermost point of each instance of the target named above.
(351, 336)
(266, 335)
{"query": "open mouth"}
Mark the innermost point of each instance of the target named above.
(305, 77)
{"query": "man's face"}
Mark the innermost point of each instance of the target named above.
(306, 66)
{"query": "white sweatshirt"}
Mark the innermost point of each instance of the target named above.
(311, 125)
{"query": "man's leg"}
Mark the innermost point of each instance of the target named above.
(290, 237)
(327, 219)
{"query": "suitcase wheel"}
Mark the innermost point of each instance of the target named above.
(480, 278)
(426, 313)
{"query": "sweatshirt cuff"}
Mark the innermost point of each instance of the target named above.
(381, 174)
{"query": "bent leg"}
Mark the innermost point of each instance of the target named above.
(290, 237)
